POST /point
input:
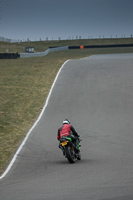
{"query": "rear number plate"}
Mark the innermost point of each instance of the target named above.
(64, 143)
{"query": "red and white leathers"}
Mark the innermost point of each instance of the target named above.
(65, 130)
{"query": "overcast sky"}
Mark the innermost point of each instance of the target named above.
(35, 19)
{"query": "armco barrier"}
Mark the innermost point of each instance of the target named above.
(9, 55)
(44, 53)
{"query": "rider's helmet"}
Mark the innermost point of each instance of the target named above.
(66, 121)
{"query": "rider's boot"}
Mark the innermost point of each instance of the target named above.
(77, 146)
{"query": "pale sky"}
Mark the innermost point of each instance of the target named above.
(35, 19)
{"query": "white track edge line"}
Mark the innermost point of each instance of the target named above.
(34, 125)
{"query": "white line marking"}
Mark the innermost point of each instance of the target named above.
(25, 139)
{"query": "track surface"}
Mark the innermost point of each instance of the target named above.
(96, 94)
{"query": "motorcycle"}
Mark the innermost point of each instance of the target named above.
(69, 149)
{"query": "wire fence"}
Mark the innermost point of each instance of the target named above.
(3, 39)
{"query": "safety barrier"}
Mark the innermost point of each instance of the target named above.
(100, 46)
(53, 49)
(44, 53)
(9, 55)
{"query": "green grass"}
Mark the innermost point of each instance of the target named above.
(24, 86)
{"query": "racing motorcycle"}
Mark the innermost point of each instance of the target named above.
(69, 149)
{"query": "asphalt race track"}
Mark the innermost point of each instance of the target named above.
(96, 94)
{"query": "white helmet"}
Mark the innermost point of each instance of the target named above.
(66, 121)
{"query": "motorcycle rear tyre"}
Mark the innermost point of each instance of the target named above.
(70, 157)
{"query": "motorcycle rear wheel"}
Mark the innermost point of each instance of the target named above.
(69, 154)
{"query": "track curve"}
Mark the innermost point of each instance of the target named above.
(96, 94)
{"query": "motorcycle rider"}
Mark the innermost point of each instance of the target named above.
(68, 130)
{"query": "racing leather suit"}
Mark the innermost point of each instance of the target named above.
(66, 130)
